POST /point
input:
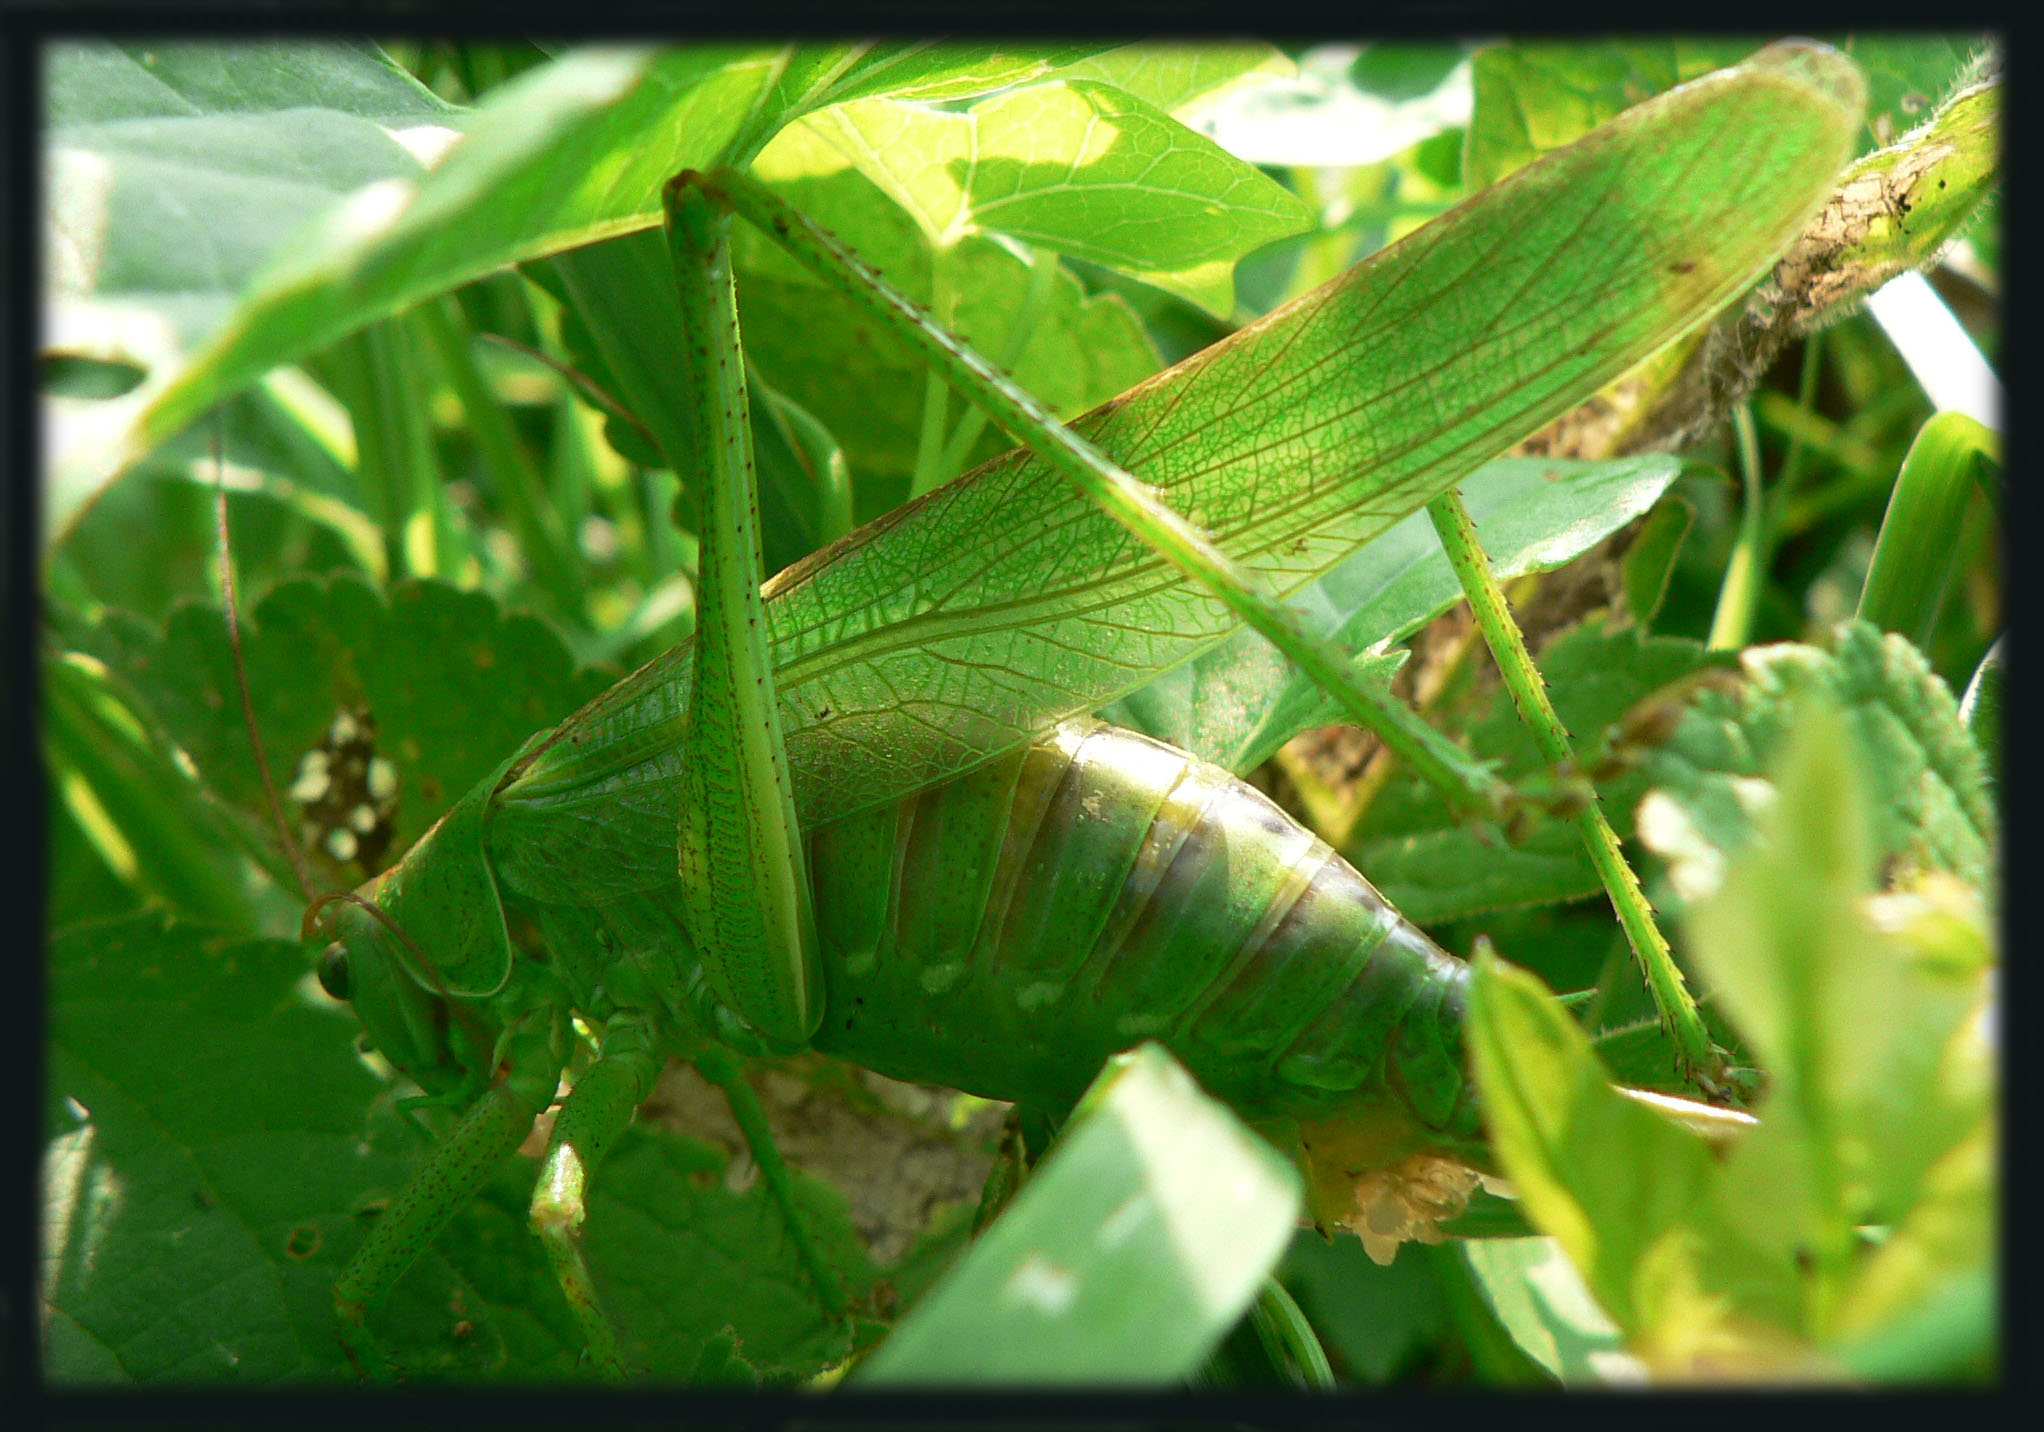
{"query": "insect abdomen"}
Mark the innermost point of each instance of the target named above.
(1004, 932)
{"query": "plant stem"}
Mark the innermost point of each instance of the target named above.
(929, 471)
(518, 482)
(1732, 623)
(972, 422)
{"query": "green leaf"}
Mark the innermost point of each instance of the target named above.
(1930, 808)
(1650, 561)
(451, 682)
(135, 805)
(1920, 532)
(1287, 473)
(947, 70)
(1924, 1306)
(1238, 703)
(566, 153)
(1980, 710)
(1078, 166)
(1536, 1293)
(1909, 73)
(1375, 1319)
(1130, 1252)
(1852, 1007)
(622, 329)
(683, 1261)
(1624, 1191)
(153, 146)
(199, 1208)
(174, 173)
(1175, 78)
(814, 344)
(1535, 97)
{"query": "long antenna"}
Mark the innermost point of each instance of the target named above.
(291, 851)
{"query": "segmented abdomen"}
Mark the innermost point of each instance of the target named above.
(1004, 932)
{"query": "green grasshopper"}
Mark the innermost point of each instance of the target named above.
(714, 854)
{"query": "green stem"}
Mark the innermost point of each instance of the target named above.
(1732, 623)
(400, 472)
(1806, 401)
(518, 483)
(1529, 693)
(1920, 533)
(936, 398)
(1043, 269)
(1466, 782)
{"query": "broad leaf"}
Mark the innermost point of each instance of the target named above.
(174, 173)
(199, 1208)
(209, 1171)
(1931, 808)
(450, 682)
(1853, 1005)
(1124, 1259)
(1077, 166)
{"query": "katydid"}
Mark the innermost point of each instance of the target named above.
(963, 881)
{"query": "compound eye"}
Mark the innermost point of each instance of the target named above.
(333, 970)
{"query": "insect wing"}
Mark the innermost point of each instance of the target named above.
(973, 619)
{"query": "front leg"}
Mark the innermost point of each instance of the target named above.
(486, 1135)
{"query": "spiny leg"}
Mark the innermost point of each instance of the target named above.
(744, 879)
(1700, 1060)
(727, 1072)
(486, 1135)
(595, 1112)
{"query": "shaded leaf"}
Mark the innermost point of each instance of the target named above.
(209, 1169)
(1127, 1256)
(174, 173)
(683, 1261)
(1929, 807)
(451, 682)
